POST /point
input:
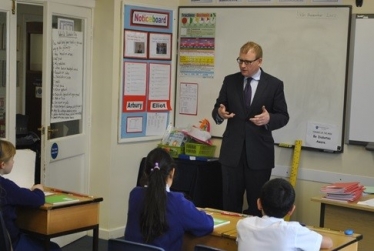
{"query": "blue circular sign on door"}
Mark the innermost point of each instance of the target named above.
(54, 150)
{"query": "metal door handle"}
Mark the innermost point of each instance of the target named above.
(41, 129)
(50, 131)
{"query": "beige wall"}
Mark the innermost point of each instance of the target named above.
(115, 166)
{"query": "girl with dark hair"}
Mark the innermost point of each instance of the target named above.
(158, 216)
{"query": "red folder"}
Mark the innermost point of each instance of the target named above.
(347, 191)
(342, 187)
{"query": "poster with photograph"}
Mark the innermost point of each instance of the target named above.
(135, 44)
(160, 46)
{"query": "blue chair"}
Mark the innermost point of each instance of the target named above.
(124, 245)
(200, 247)
(5, 243)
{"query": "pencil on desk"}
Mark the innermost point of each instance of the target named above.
(81, 195)
(71, 193)
(233, 214)
(212, 210)
(224, 212)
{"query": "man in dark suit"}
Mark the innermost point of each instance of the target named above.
(247, 150)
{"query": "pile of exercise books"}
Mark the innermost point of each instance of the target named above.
(343, 191)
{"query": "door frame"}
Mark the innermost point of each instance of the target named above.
(82, 140)
(11, 63)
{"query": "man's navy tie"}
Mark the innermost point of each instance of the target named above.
(248, 93)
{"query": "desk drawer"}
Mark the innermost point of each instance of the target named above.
(58, 220)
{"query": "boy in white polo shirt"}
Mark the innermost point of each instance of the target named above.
(271, 232)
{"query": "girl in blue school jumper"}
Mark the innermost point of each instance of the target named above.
(12, 196)
(159, 217)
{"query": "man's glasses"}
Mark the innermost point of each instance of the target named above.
(246, 62)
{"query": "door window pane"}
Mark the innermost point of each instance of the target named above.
(67, 77)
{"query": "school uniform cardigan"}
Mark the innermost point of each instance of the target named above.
(182, 216)
(12, 196)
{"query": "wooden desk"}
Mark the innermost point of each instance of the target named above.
(224, 237)
(340, 240)
(344, 215)
(50, 221)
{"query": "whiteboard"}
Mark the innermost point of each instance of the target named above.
(306, 47)
(361, 119)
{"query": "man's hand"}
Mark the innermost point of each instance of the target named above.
(261, 119)
(223, 113)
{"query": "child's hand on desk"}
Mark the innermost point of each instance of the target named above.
(37, 186)
(326, 242)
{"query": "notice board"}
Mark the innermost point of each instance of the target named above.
(306, 47)
(147, 63)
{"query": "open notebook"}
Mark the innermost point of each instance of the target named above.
(220, 222)
(60, 199)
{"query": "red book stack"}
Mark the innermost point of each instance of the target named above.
(344, 191)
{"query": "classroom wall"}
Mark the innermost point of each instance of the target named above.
(367, 4)
(114, 166)
(355, 160)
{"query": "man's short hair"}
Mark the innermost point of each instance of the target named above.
(277, 197)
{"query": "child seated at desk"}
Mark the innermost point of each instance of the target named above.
(158, 216)
(12, 196)
(271, 232)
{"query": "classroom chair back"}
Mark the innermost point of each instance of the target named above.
(124, 245)
(5, 244)
(206, 248)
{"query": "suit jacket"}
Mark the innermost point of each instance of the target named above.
(258, 140)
